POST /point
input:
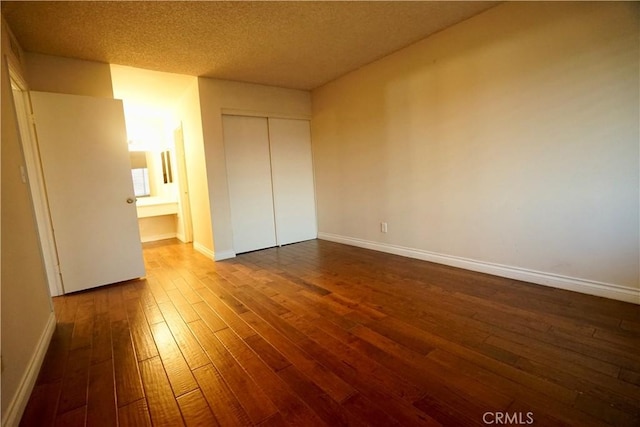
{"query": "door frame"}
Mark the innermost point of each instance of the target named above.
(31, 153)
(183, 185)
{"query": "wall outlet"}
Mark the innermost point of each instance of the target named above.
(383, 227)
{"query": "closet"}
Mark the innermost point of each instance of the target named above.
(270, 178)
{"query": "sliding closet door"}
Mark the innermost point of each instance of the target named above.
(246, 143)
(292, 174)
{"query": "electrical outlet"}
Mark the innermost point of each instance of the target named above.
(383, 227)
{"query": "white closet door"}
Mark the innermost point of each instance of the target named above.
(292, 174)
(246, 143)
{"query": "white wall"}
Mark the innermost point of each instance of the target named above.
(27, 318)
(216, 97)
(507, 143)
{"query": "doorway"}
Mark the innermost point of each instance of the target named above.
(85, 165)
(154, 131)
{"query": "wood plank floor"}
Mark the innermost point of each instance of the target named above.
(319, 333)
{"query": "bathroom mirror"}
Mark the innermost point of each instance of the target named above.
(140, 173)
(167, 174)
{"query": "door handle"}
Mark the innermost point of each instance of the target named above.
(130, 200)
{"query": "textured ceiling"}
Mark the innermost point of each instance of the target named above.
(290, 44)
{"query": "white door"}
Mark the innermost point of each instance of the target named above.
(87, 173)
(292, 175)
(246, 144)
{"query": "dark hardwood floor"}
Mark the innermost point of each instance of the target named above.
(319, 333)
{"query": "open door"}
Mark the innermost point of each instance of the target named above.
(87, 174)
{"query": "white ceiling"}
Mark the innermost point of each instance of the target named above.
(299, 45)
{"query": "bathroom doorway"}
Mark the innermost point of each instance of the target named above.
(158, 169)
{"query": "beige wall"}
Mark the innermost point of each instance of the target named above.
(157, 227)
(510, 139)
(189, 111)
(216, 97)
(26, 308)
(47, 73)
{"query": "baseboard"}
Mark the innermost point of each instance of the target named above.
(19, 402)
(203, 250)
(606, 290)
(154, 238)
(221, 255)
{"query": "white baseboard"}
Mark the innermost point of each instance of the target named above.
(216, 256)
(18, 403)
(219, 256)
(203, 250)
(154, 238)
(606, 290)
